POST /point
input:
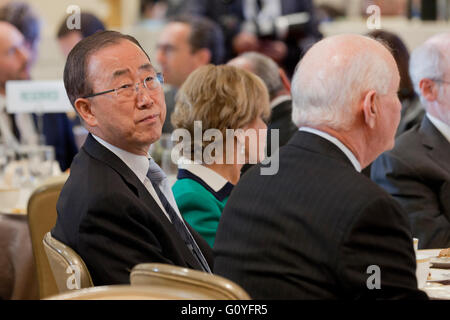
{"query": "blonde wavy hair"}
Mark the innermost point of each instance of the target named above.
(221, 97)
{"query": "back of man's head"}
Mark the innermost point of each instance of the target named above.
(333, 77)
(430, 61)
(205, 33)
(22, 16)
(89, 24)
(264, 67)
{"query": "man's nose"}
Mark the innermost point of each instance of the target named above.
(143, 96)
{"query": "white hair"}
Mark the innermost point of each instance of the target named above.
(265, 68)
(427, 62)
(328, 95)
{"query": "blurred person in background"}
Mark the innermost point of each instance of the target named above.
(417, 171)
(22, 51)
(250, 25)
(68, 38)
(186, 43)
(412, 109)
(221, 98)
(279, 89)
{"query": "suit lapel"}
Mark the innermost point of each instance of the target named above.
(438, 146)
(96, 150)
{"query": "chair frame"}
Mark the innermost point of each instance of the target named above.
(68, 257)
(205, 284)
(47, 284)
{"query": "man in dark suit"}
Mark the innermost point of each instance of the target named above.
(417, 171)
(55, 128)
(116, 209)
(237, 19)
(279, 89)
(319, 229)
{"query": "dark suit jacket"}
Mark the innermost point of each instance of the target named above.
(312, 230)
(281, 119)
(417, 174)
(230, 14)
(110, 219)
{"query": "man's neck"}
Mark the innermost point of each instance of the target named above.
(350, 140)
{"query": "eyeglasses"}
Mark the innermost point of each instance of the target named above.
(152, 84)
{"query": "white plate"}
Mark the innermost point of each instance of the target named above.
(439, 275)
(429, 252)
(438, 292)
(443, 262)
(13, 211)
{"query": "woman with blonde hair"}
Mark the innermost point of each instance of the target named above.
(219, 113)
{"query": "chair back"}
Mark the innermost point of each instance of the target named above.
(193, 284)
(69, 270)
(41, 215)
(123, 292)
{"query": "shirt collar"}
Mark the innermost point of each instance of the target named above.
(338, 144)
(137, 163)
(440, 126)
(210, 177)
(280, 99)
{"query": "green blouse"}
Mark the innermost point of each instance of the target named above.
(199, 204)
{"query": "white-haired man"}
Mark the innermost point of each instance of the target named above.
(417, 171)
(319, 229)
(279, 90)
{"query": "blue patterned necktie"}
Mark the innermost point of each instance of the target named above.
(158, 177)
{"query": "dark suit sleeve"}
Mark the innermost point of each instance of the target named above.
(379, 237)
(58, 133)
(122, 236)
(419, 198)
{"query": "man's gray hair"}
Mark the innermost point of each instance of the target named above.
(265, 68)
(328, 96)
(428, 62)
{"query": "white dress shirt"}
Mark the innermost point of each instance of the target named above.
(278, 100)
(270, 10)
(25, 125)
(441, 126)
(337, 143)
(139, 165)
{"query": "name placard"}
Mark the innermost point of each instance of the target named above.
(23, 96)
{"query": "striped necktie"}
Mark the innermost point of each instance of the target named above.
(158, 177)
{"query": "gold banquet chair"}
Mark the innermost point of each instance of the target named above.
(123, 292)
(41, 215)
(69, 270)
(191, 284)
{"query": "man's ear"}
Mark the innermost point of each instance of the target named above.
(370, 108)
(203, 56)
(83, 107)
(429, 89)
